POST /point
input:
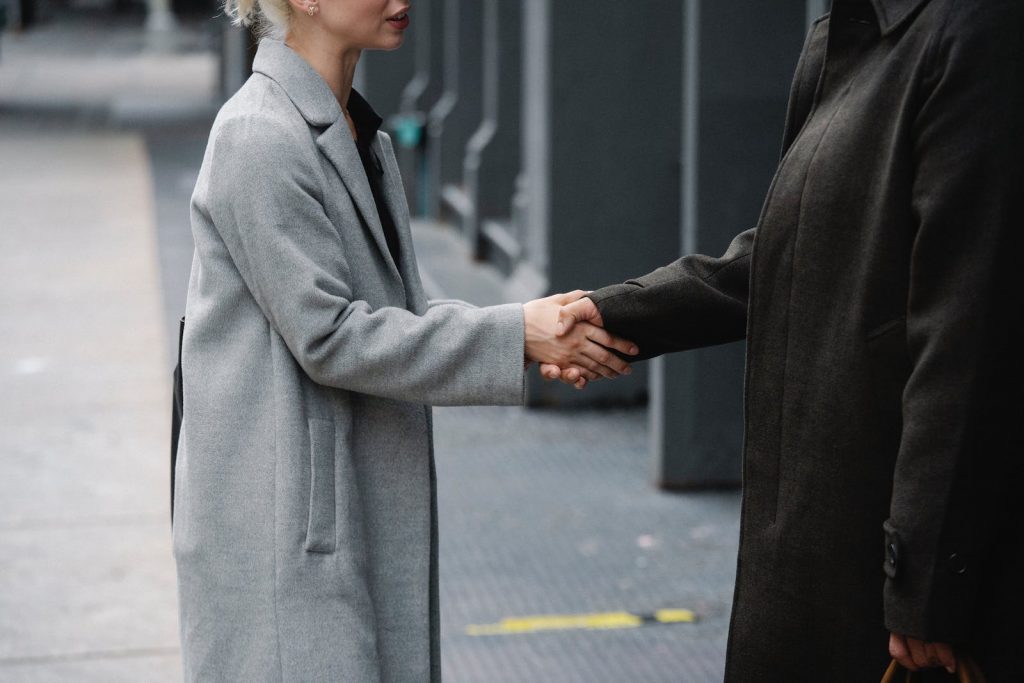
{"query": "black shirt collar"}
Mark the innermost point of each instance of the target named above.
(366, 120)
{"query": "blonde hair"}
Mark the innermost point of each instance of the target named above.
(265, 17)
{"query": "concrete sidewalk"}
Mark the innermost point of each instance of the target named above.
(86, 578)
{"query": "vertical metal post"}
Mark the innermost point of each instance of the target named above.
(443, 107)
(730, 120)
(159, 17)
(485, 132)
(14, 14)
(415, 88)
(664, 403)
(236, 52)
(536, 139)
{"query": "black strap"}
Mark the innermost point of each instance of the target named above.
(177, 406)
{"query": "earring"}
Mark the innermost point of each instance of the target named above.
(312, 9)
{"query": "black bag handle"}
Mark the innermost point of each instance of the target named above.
(177, 406)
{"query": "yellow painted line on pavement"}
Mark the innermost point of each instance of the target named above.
(597, 621)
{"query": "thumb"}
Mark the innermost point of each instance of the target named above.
(578, 311)
(568, 316)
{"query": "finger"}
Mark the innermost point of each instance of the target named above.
(570, 375)
(899, 651)
(946, 656)
(606, 358)
(932, 654)
(580, 383)
(574, 373)
(595, 368)
(549, 371)
(605, 338)
(918, 653)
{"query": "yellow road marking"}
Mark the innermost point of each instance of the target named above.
(568, 622)
(675, 616)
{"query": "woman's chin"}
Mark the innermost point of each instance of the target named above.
(392, 42)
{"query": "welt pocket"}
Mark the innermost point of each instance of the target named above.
(886, 328)
(889, 364)
(321, 525)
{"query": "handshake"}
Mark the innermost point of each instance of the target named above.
(565, 334)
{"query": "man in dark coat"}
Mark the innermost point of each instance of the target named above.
(882, 308)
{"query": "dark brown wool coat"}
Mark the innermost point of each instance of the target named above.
(882, 307)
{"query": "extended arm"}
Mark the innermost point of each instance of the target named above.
(292, 259)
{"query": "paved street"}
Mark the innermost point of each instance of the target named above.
(543, 512)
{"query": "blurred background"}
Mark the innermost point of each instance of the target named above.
(545, 145)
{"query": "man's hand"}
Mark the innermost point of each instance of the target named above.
(914, 654)
(582, 352)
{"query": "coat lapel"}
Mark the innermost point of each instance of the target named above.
(394, 197)
(337, 145)
(318, 106)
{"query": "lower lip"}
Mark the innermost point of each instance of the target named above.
(400, 24)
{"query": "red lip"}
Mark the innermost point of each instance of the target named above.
(400, 20)
(400, 23)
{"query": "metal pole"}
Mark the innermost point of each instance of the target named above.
(415, 88)
(485, 132)
(536, 126)
(159, 17)
(660, 404)
(444, 105)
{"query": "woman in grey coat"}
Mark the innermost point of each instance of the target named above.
(305, 529)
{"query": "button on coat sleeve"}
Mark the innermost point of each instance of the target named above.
(960, 443)
(264, 198)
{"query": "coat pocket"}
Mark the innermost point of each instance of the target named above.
(890, 365)
(321, 531)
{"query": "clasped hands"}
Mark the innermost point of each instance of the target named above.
(565, 334)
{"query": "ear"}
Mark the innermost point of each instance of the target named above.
(299, 7)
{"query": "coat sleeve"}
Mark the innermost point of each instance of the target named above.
(699, 300)
(960, 445)
(693, 302)
(265, 200)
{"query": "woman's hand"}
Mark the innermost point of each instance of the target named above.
(584, 349)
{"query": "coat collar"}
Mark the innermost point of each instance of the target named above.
(318, 106)
(303, 85)
(892, 13)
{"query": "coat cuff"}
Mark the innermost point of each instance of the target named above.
(929, 596)
(612, 302)
(510, 380)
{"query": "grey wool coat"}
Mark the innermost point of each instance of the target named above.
(305, 531)
(881, 301)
